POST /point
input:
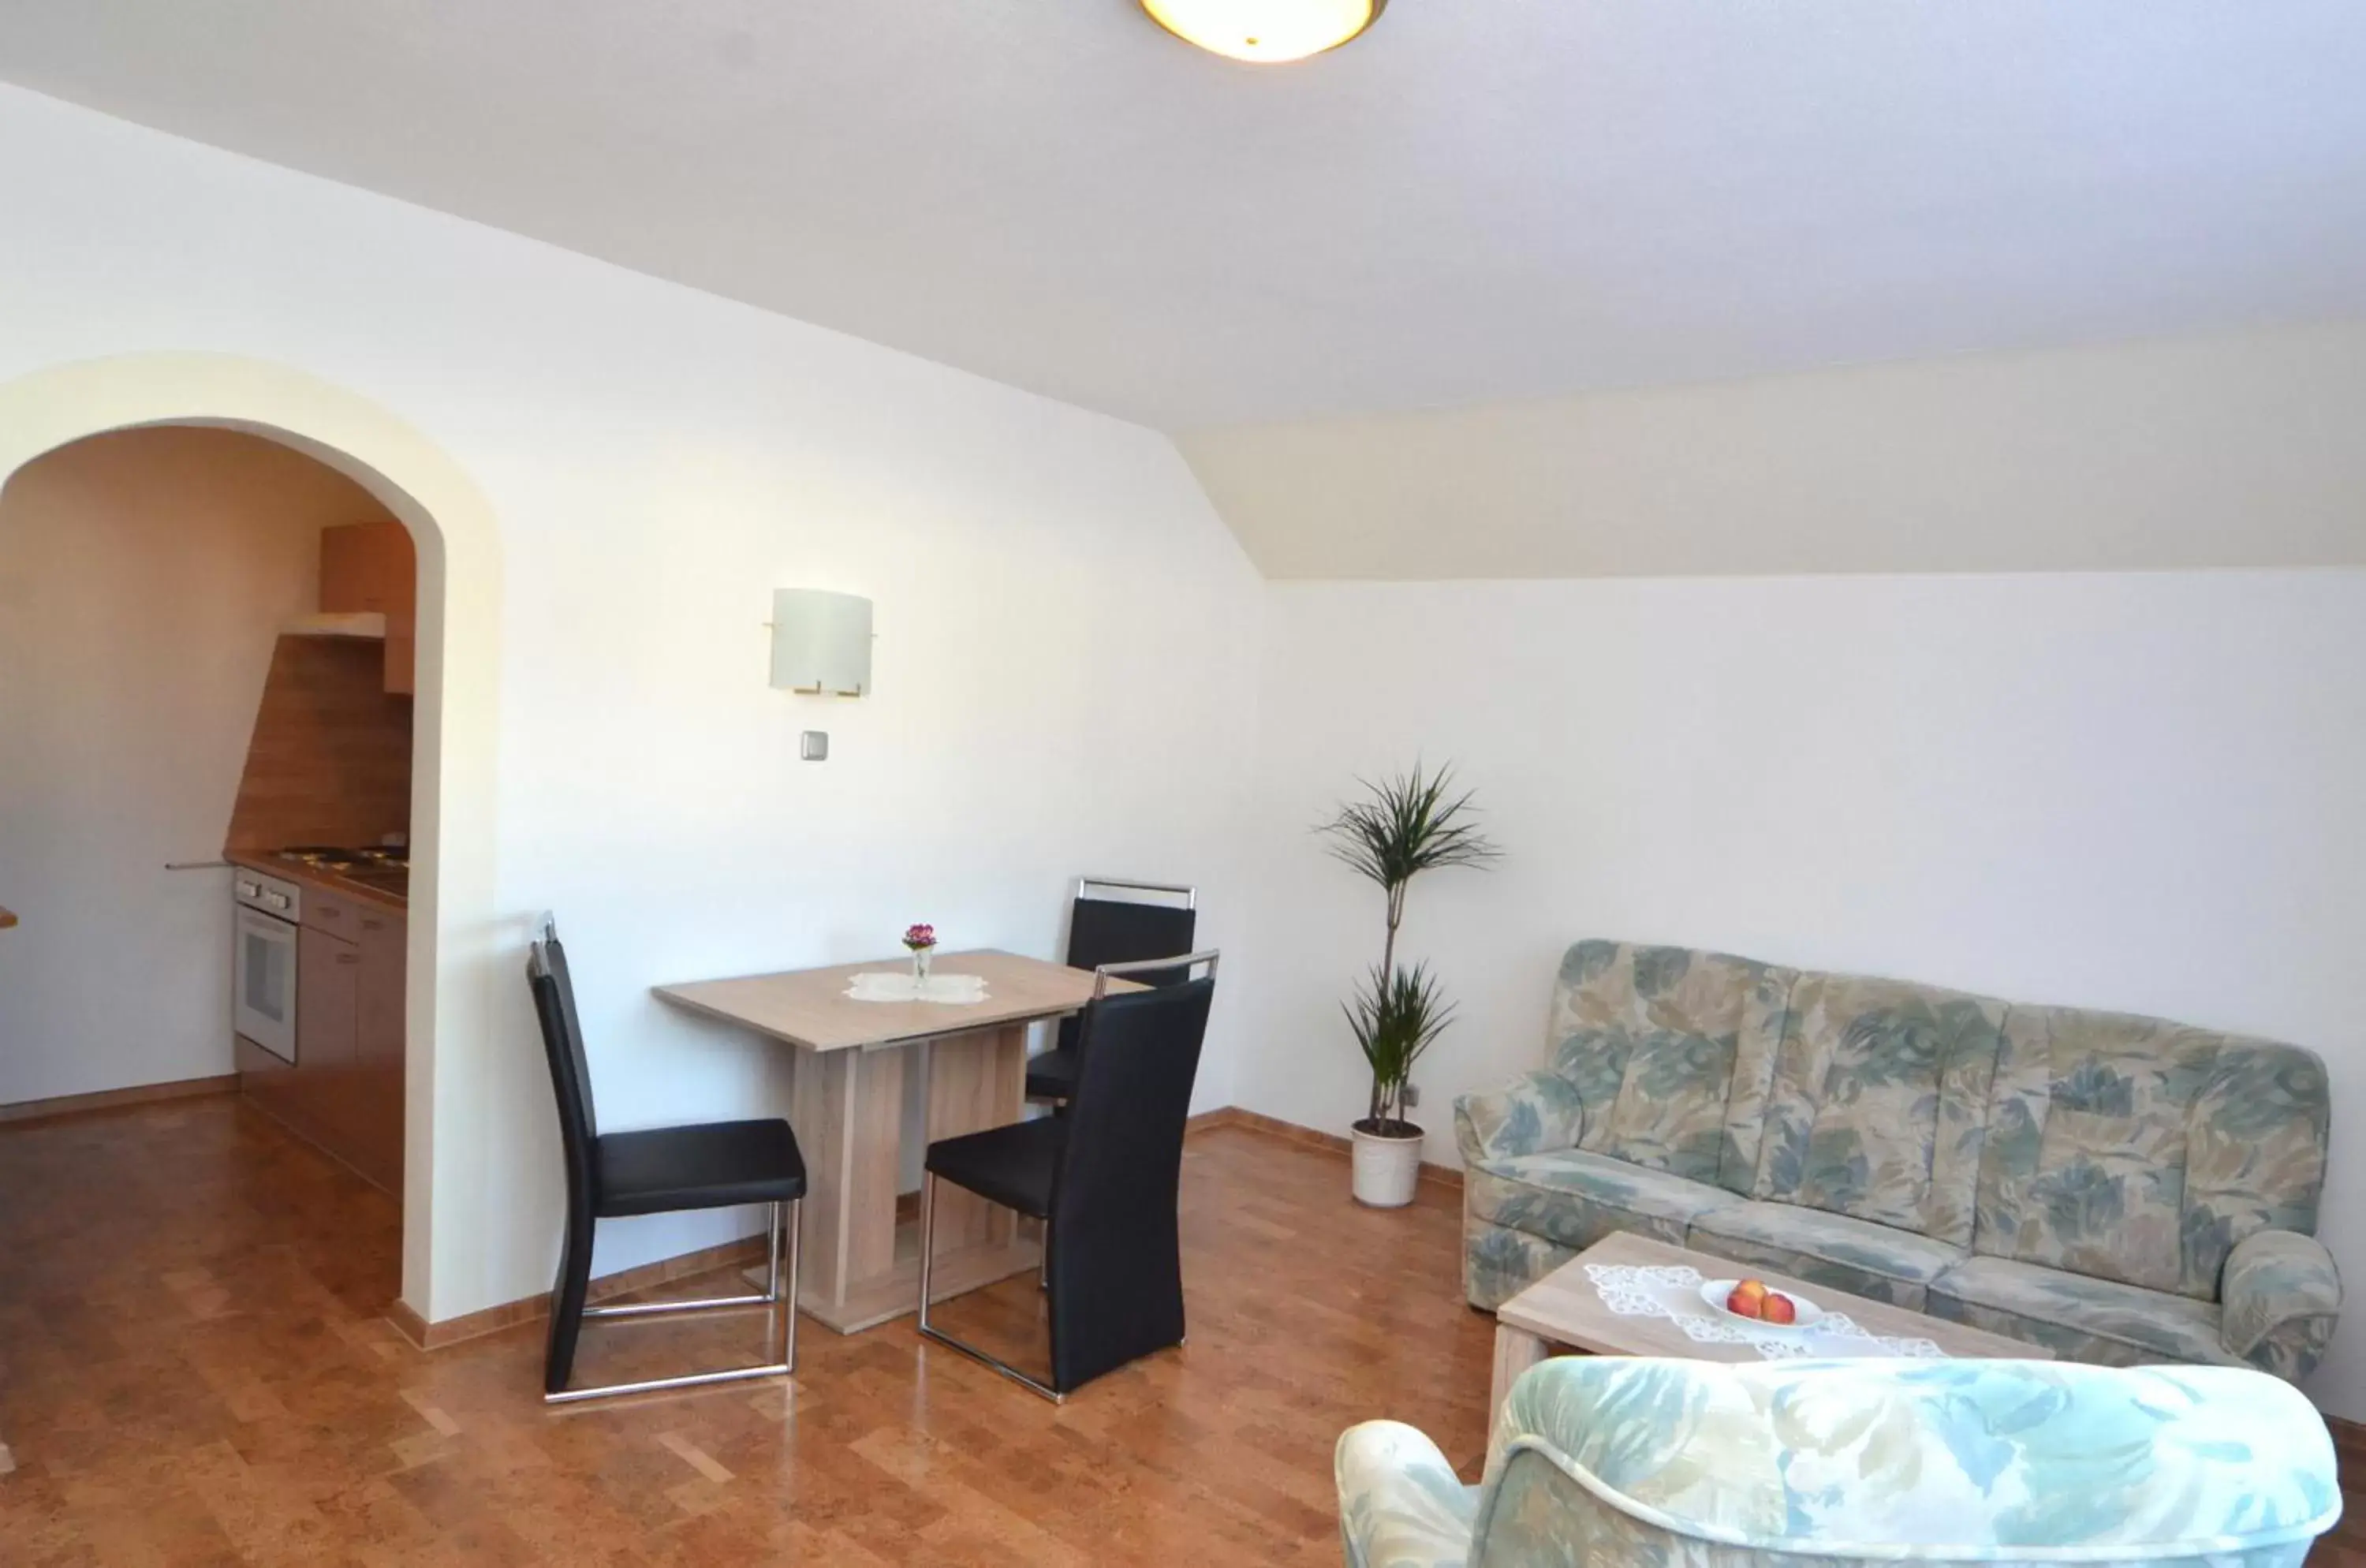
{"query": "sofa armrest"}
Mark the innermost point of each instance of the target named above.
(2278, 1296)
(1533, 1115)
(1401, 1504)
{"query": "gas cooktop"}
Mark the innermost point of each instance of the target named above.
(331, 857)
(381, 868)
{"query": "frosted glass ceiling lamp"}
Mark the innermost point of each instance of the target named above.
(821, 642)
(1265, 32)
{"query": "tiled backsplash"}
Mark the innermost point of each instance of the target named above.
(329, 758)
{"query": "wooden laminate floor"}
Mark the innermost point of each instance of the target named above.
(193, 1369)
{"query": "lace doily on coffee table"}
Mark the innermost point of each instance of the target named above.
(873, 986)
(1673, 1292)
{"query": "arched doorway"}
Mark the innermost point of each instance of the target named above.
(457, 950)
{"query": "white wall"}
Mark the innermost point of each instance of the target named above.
(2234, 450)
(1066, 655)
(2129, 791)
(143, 580)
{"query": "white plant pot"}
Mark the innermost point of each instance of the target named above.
(1386, 1169)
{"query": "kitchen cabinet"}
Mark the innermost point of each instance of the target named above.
(345, 1091)
(376, 1103)
(373, 568)
(327, 997)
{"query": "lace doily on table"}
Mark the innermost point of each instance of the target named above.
(1673, 1292)
(873, 986)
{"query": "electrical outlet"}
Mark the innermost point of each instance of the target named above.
(1412, 1096)
(813, 746)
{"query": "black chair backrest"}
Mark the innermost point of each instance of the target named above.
(1111, 931)
(1116, 1269)
(570, 1079)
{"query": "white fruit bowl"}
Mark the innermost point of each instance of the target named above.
(1713, 1294)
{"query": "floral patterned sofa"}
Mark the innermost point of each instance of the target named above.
(1798, 1464)
(2119, 1190)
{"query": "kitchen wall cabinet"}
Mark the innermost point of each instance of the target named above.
(373, 568)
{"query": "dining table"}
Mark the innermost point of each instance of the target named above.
(861, 1262)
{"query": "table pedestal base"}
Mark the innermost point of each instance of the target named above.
(860, 1266)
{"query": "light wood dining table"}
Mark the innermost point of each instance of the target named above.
(859, 1268)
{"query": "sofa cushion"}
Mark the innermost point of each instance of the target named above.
(1875, 1261)
(1499, 1262)
(1879, 1101)
(2141, 1151)
(1574, 1199)
(1672, 1050)
(2071, 1314)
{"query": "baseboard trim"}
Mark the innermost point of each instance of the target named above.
(66, 1105)
(1444, 1176)
(408, 1323)
(425, 1336)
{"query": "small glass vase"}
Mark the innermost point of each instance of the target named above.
(921, 967)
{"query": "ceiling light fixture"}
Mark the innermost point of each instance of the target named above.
(1265, 32)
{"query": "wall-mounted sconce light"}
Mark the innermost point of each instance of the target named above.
(821, 642)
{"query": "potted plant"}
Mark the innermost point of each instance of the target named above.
(1404, 826)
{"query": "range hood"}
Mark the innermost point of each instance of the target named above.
(368, 623)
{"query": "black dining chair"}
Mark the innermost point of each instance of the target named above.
(1103, 930)
(1103, 1178)
(656, 1171)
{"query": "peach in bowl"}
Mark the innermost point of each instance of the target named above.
(1761, 1305)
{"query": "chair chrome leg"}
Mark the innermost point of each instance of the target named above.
(927, 1241)
(937, 1336)
(773, 1334)
(796, 1256)
(662, 1385)
(931, 1332)
(772, 1297)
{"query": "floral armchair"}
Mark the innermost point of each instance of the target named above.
(1693, 1464)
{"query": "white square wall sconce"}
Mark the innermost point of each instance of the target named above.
(821, 642)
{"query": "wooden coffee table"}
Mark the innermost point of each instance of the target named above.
(1564, 1309)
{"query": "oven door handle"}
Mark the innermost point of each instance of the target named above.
(197, 865)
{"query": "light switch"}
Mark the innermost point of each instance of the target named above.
(813, 746)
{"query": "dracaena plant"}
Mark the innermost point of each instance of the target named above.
(1405, 824)
(1395, 1014)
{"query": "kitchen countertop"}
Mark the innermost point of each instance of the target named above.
(7, 917)
(318, 877)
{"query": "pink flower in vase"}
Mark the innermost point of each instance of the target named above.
(920, 938)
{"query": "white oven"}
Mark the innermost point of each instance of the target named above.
(263, 983)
